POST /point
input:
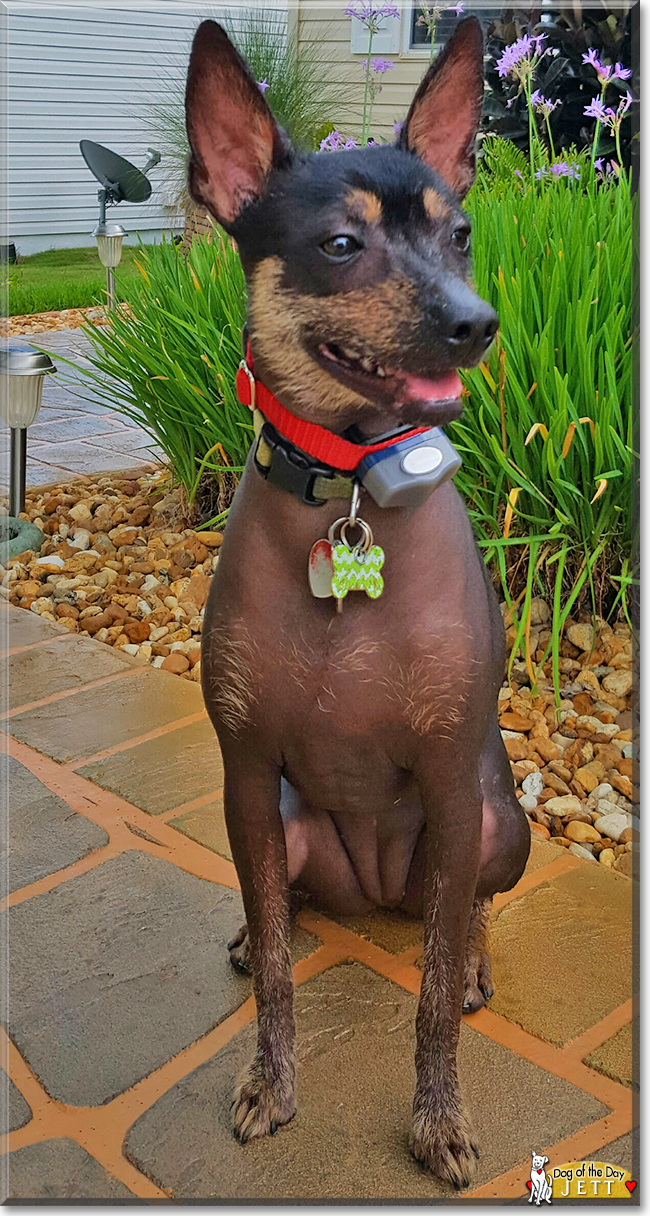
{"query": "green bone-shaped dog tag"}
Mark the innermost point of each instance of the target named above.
(354, 571)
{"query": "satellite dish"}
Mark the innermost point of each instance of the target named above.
(121, 179)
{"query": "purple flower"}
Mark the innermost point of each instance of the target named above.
(263, 85)
(397, 127)
(336, 142)
(456, 8)
(378, 65)
(517, 59)
(605, 72)
(543, 104)
(598, 164)
(592, 58)
(629, 100)
(368, 14)
(518, 173)
(596, 109)
(562, 169)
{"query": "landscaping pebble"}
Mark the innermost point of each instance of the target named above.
(612, 825)
(45, 322)
(578, 850)
(120, 562)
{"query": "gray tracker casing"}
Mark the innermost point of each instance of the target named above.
(405, 474)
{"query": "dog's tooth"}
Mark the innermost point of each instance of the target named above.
(367, 365)
(380, 371)
(349, 354)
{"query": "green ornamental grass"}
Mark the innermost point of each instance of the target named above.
(546, 434)
(168, 362)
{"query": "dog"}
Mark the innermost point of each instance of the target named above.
(541, 1185)
(363, 761)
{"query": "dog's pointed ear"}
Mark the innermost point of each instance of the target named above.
(443, 119)
(233, 136)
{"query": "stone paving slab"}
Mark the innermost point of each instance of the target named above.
(129, 440)
(206, 825)
(569, 940)
(623, 1152)
(355, 1091)
(21, 628)
(14, 1111)
(614, 1058)
(542, 853)
(88, 722)
(34, 674)
(62, 429)
(60, 1169)
(158, 775)
(130, 965)
(44, 834)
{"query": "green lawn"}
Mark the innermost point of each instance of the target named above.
(62, 278)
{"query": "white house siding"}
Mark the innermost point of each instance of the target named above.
(345, 43)
(333, 30)
(88, 71)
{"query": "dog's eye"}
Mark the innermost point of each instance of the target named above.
(460, 239)
(340, 248)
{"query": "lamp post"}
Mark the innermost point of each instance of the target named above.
(109, 246)
(22, 371)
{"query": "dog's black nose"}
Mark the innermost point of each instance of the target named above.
(467, 323)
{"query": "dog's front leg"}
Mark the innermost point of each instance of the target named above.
(264, 1095)
(442, 1137)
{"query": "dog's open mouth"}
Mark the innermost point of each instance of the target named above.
(415, 398)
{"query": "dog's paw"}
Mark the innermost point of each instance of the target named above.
(478, 982)
(259, 1109)
(239, 950)
(446, 1146)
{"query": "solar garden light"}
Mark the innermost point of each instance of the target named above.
(22, 372)
(109, 246)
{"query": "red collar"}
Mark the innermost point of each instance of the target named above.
(316, 441)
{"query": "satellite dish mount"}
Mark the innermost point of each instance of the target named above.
(119, 180)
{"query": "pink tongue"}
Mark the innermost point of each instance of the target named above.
(448, 388)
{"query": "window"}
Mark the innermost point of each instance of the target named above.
(416, 38)
(385, 42)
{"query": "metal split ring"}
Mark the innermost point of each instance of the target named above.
(362, 545)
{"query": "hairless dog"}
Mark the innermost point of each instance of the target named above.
(363, 760)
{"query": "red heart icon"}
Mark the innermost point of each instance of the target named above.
(530, 1185)
(630, 1186)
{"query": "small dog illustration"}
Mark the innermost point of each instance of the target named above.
(541, 1186)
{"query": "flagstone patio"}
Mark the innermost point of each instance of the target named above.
(75, 431)
(127, 1025)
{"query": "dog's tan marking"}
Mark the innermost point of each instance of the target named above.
(372, 321)
(234, 674)
(365, 205)
(434, 204)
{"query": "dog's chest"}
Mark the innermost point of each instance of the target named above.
(342, 681)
